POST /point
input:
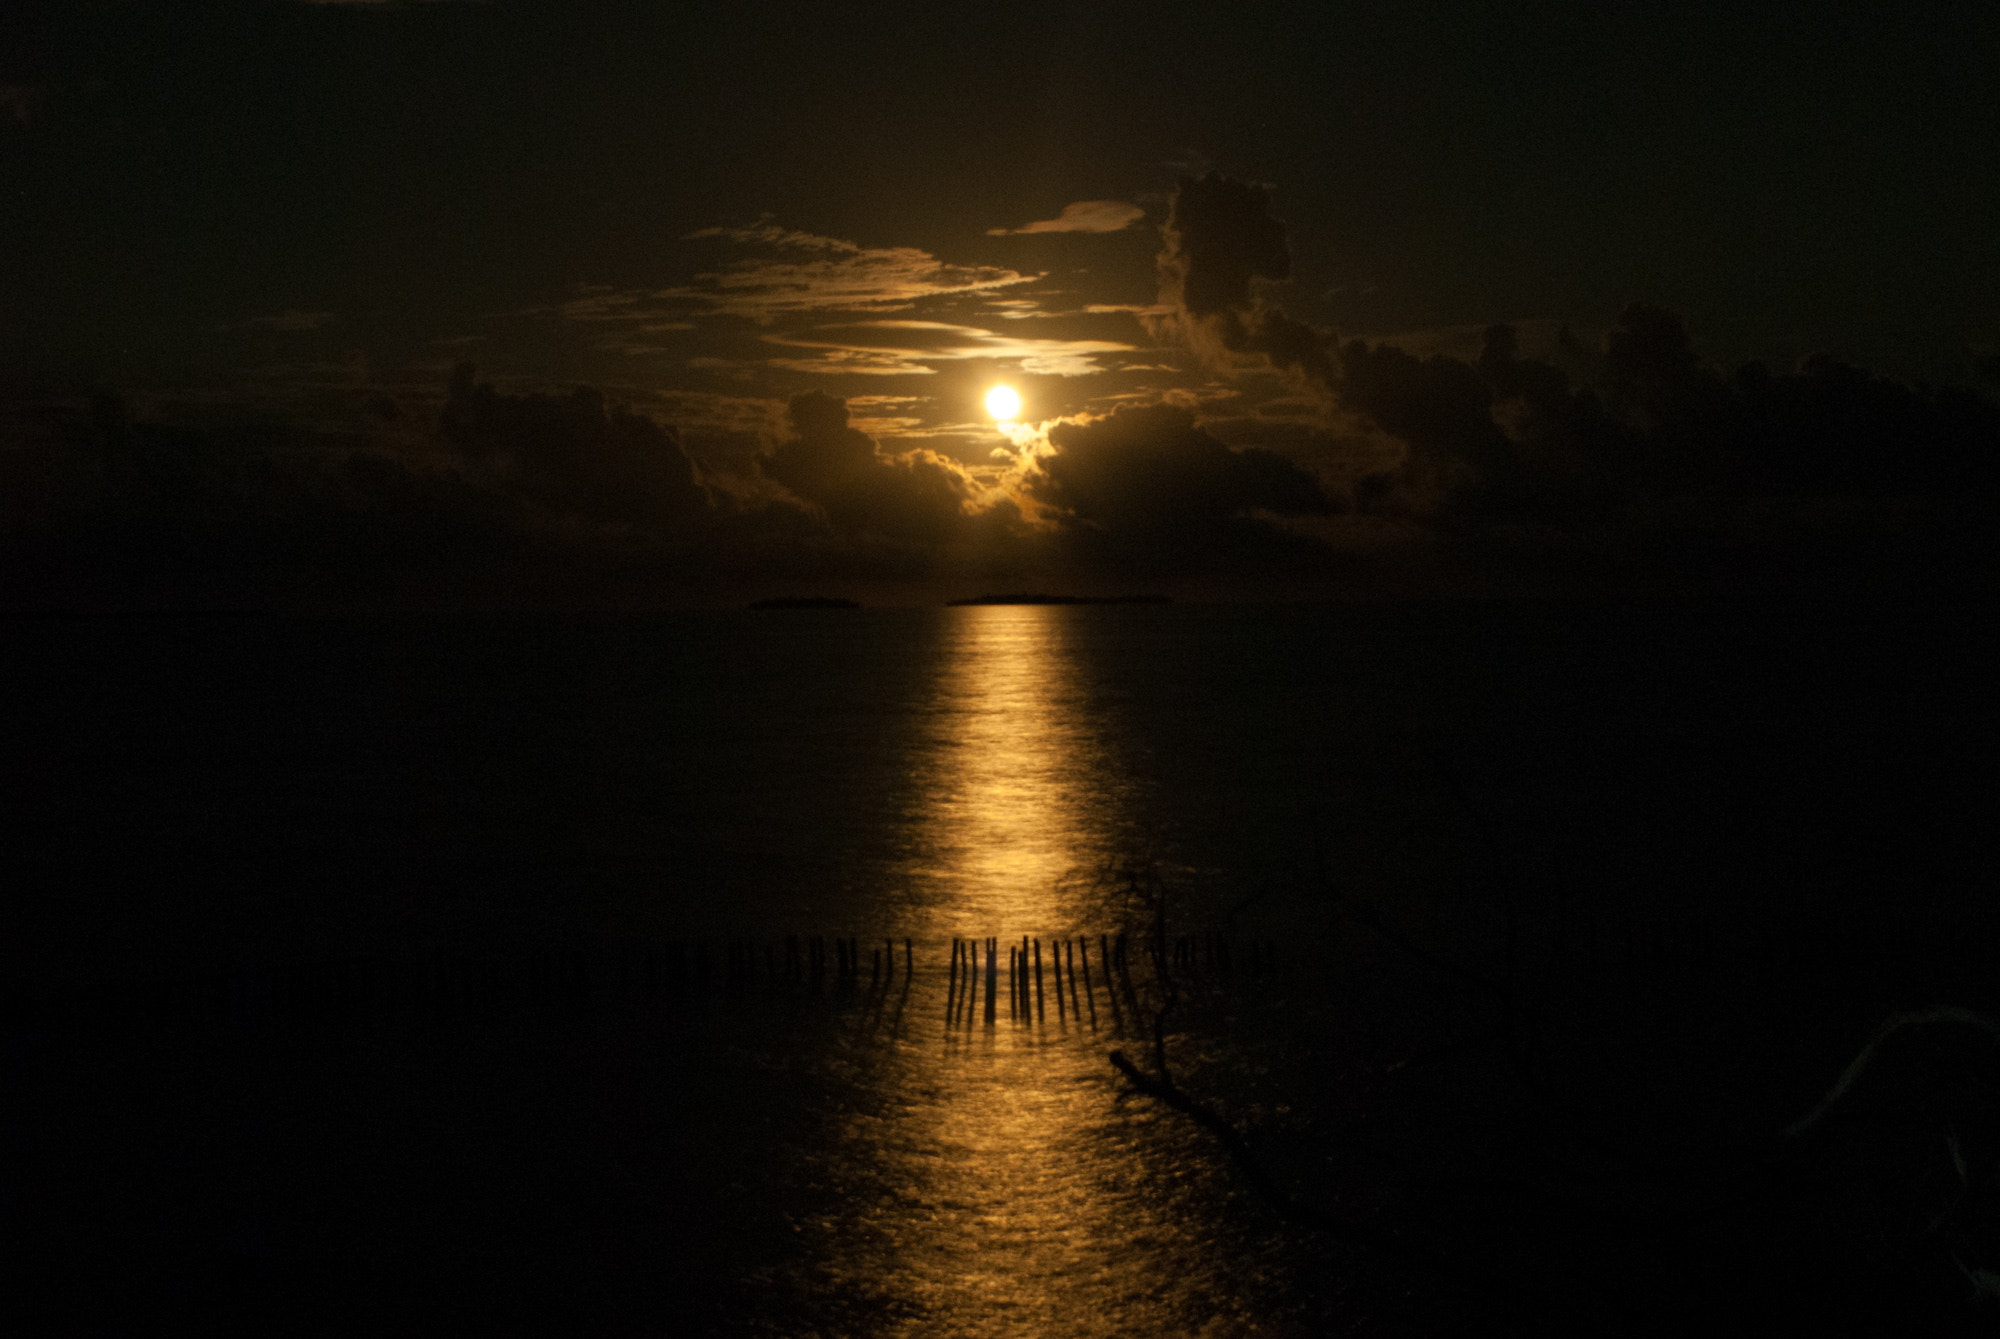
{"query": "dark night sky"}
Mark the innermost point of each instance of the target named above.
(308, 213)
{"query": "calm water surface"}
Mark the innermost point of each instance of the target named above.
(201, 795)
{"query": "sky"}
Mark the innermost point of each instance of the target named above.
(1242, 262)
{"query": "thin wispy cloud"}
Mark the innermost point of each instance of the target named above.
(806, 273)
(855, 362)
(789, 277)
(1082, 216)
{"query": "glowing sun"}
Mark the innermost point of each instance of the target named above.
(1003, 403)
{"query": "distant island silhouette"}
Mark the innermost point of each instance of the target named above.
(1062, 599)
(805, 602)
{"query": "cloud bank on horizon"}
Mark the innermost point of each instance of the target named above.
(1197, 433)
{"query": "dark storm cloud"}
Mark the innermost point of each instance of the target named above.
(1670, 469)
(1158, 491)
(917, 497)
(1221, 247)
(106, 505)
(1597, 443)
(112, 504)
(573, 455)
(1219, 237)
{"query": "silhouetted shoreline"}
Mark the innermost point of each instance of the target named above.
(1062, 599)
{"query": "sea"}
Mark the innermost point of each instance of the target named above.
(655, 972)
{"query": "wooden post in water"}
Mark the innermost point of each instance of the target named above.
(1041, 1011)
(951, 987)
(992, 971)
(1110, 983)
(965, 976)
(965, 1007)
(909, 961)
(1089, 996)
(1021, 982)
(1069, 955)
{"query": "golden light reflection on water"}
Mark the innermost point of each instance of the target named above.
(1021, 793)
(1007, 1189)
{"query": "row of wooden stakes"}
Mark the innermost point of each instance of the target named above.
(1027, 997)
(560, 982)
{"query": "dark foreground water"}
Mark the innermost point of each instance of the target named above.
(404, 972)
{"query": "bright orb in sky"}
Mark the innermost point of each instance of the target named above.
(1003, 403)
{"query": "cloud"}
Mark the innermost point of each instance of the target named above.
(1220, 237)
(1221, 249)
(1158, 491)
(855, 362)
(573, 455)
(1502, 440)
(910, 346)
(1639, 447)
(802, 272)
(916, 497)
(1082, 216)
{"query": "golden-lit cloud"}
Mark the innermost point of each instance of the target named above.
(854, 362)
(909, 346)
(887, 415)
(801, 272)
(1082, 216)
